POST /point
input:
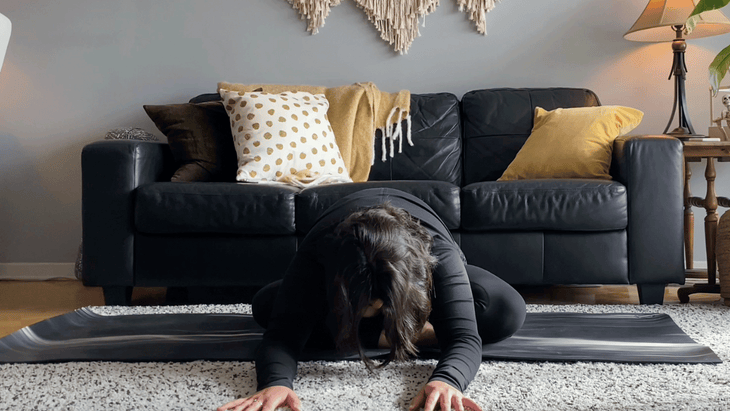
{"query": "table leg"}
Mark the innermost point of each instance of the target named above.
(689, 220)
(709, 203)
(711, 220)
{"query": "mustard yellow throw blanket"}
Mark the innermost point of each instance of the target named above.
(355, 112)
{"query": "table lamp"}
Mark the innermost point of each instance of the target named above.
(664, 20)
(5, 27)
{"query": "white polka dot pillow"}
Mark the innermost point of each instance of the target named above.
(283, 137)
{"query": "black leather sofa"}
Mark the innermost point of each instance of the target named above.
(140, 229)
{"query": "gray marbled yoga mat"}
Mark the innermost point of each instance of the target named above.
(83, 335)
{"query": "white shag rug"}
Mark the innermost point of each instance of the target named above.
(203, 385)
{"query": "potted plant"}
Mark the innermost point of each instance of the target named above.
(720, 65)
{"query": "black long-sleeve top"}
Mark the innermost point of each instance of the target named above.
(303, 300)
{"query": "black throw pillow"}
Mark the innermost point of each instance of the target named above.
(199, 135)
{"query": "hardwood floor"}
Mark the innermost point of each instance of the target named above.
(24, 303)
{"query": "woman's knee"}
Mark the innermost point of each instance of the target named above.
(500, 309)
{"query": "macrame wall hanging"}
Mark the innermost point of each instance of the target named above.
(396, 20)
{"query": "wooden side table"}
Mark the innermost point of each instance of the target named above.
(696, 151)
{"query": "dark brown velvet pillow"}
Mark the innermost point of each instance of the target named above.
(199, 135)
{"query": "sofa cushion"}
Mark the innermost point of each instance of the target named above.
(544, 205)
(437, 142)
(211, 260)
(200, 140)
(497, 123)
(172, 208)
(441, 196)
(436, 151)
(514, 256)
(572, 143)
(569, 257)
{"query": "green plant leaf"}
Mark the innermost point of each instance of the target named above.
(707, 5)
(703, 6)
(718, 68)
(690, 24)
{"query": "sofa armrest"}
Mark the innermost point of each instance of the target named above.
(652, 169)
(111, 170)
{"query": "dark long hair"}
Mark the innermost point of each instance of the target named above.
(384, 253)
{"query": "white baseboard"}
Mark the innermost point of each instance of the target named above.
(700, 265)
(36, 271)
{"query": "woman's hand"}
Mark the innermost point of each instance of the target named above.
(439, 392)
(267, 399)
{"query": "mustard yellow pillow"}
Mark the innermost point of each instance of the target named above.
(572, 143)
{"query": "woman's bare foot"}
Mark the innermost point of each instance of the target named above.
(427, 337)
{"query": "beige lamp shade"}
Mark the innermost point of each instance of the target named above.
(5, 27)
(656, 22)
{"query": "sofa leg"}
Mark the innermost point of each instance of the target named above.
(118, 295)
(651, 293)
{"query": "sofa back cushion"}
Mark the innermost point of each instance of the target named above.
(436, 151)
(497, 123)
(436, 136)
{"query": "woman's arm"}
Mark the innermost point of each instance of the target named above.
(300, 304)
(292, 320)
(454, 320)
(454, 323)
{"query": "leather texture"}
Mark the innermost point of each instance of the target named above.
(541, 205)
(550, 257)
(436, 151)
(205, 98)
(497, 123)
(442, 197)
(211, 260)
(516, 257)
(111, 172)
(652, 169)
(175, 208)
(573, 257)
(139, 229)
(435, 132)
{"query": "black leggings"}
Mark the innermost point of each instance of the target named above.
(500, 309)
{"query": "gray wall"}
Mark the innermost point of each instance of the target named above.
(78, 68)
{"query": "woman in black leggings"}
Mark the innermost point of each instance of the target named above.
(380, 269)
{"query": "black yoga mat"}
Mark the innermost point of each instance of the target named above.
(83, 335)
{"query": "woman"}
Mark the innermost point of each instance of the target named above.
(380, 269)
